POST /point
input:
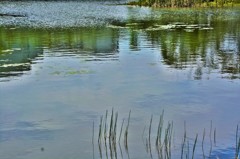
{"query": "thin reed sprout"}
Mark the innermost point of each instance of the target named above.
(100, 130)
(194, 146)
(204, 134)
(105, 127)
(111, 125)
(159, 132)
(120, 135)
(126, 130)
(210, 136)
(149, 130)
(184, 140)
(115, 127)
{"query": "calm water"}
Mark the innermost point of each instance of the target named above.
(63, 64)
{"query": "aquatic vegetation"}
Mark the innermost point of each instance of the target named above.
(107, 133)
(145, 59)
(164, 146)
(185, 27)
(72, 72)
(184, 3)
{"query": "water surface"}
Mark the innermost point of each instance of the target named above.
(63, 64)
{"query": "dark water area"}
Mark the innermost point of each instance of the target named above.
(63, 64)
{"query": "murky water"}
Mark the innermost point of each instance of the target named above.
(63, 64)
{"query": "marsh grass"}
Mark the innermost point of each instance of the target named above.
(185, 146)
(107, 134)
(163, 138)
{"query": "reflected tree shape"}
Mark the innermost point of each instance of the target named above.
(201, 41)
(20, 48)
(17, 53)
(202, 50)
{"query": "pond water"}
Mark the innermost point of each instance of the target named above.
(63, 64)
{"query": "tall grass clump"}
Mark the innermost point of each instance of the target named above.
(107, 133)
(163, 140)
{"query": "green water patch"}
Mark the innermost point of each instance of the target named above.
(72, 72)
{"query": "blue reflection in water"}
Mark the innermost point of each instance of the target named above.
(24, 130)
(143, 59)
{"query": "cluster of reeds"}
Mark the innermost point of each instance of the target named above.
(163, 140)
(185, 147)
(107, 133)
(108, 136)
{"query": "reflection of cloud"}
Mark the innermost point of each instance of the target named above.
(35, 130)
(36, 134)
(183, 104)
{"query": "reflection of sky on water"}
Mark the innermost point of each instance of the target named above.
(70, 92)
(73, 76)
(145, 88)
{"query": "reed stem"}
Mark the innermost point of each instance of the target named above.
(100, 130)
(149, 131)
(204, 133)
(210, 136)
(126, 131)
(111, 125)
(194, 146)
(120, 135)
(105, 127)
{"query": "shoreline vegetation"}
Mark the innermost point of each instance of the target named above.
(186, 3)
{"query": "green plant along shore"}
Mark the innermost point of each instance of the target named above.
(186, 3)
